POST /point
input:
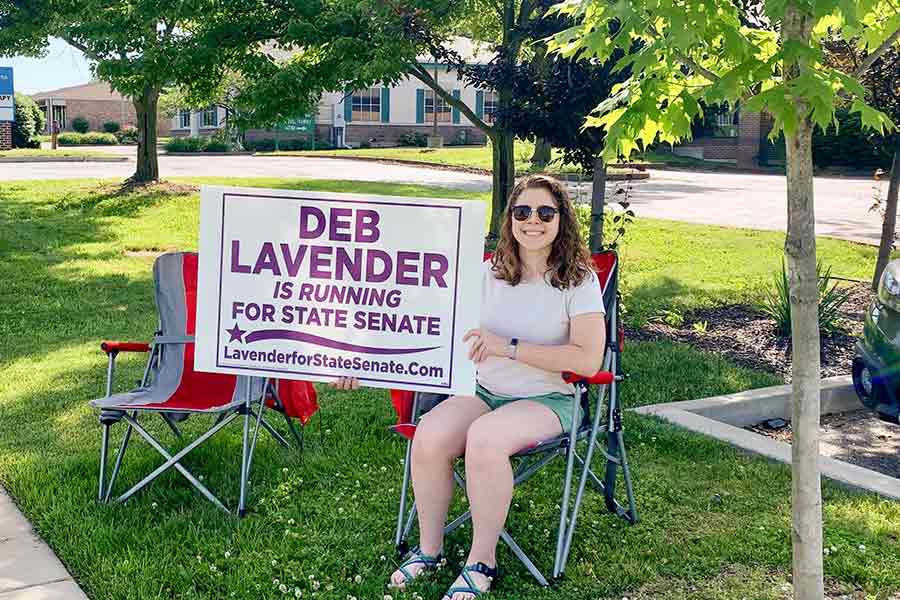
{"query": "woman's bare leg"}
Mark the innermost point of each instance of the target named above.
(440, 439)
(491, 440)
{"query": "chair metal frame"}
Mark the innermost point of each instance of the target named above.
(226, 414)
(532, 460)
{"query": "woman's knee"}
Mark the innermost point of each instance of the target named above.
(434, 442)
(484, 443)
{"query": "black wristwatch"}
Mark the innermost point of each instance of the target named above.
(513, 348)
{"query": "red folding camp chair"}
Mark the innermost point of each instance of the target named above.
(171, 388)
(590, 393)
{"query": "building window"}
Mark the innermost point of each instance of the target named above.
(184, 119)
(366, 105)
(491, 102)
(209, 117)
(443, 109)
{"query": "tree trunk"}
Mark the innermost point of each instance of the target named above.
(541, 155)
(890, 219)
(598, 205)
(800, 248)
(504, 177)
(147, 162)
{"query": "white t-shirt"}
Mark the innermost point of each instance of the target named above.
(536, 313)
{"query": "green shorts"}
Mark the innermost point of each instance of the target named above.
(560, 404)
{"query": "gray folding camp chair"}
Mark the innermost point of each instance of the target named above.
(599, 400)
(172, 389)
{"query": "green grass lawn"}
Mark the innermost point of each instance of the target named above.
(60, 153)
(75, 259)
(477, 157)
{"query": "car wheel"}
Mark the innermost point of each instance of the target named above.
(868, 390)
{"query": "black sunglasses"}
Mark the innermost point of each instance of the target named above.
(521, 212)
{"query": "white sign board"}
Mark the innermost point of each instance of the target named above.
(7, 108)
(7, 95)
(303, 285)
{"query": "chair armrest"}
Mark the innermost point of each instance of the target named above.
(599, 378)
(116, 347)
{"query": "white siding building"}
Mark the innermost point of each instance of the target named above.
(380, 115)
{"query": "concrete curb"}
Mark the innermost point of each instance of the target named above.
(61, 159)
(206, 154)
(29, 570)
(723, 417)
(473, 170)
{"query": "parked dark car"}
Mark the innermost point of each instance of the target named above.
(876, 366)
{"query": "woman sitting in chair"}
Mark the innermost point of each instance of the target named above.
(541, 314)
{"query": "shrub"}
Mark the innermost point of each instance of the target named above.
(777, 302)
(128, 135)
(413, 138)
(80, 124)
(87, 139)
(29, 123)
(186, 144)
(216, 146)
(849, 145)
(261, 145)
(111, 127)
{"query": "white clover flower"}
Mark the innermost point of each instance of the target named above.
(316, 585)
(200, 477)
(327, 432)
(340, 509)
(213, 568)
(329, 587)
(291, 521)
(827, 551)
(358, 579)
(312, 577)
(297, 593)
(383, 557)
(834, 548)
(274, 562)
(383, 469)
(862, 547)
(284, 470)
(388, 597)
(275, 582)
(199, 558)
(365, 465)
(227, 554)
(282, 588)
(154, 505)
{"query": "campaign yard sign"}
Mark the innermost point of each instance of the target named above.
(7, 96)
(304, 285)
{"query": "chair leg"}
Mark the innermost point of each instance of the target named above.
(399, 538)
(245, 466)
(626, 474)
(118, 465)
(523, 558)
(104, 448)
(171, 424)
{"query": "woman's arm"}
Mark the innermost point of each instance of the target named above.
(582, 355)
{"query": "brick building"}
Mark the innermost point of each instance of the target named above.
(94, 101)
(740, 138)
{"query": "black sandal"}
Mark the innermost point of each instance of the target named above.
(416, 558)
(470, 588)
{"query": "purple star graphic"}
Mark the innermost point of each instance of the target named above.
(236, 333)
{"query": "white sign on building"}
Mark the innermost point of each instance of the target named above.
(303, 285)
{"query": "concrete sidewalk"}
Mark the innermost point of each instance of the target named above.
(28, 568)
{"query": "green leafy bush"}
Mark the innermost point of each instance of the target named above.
(849, 145)
(413, 138)
(111, 127)
(261, 145)
(216, 146)
(29, 123)
(777, 301)
(186, 144)
(93, 138)
(128, 135)
(80, 124)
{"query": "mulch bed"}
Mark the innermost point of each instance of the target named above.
(747, 337)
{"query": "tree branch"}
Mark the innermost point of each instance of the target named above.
(84, 49)
(878, 53)
(425, 77)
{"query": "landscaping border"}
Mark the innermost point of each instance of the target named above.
(54, 159)
(723, 417)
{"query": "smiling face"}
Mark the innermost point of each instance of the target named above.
(533, 234)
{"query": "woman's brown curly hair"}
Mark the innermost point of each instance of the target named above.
(569, 262)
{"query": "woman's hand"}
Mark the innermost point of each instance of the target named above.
(485, 344)
(345, 383)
